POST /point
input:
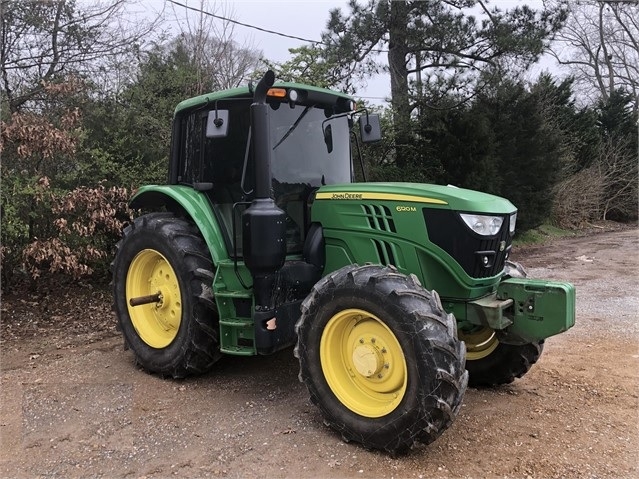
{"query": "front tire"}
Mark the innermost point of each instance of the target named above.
(380, 358)
(492, 363)
(176, 334)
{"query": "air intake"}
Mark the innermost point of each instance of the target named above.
(379, 218)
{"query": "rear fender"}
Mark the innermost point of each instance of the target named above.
(194, 204)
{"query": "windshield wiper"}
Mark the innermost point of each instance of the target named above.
(293, 126)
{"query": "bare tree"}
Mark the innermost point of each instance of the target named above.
(618, 167)
(208, 35)
(44, 42)
(600, 45)
(608, 188)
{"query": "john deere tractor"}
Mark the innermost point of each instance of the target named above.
(395, 295)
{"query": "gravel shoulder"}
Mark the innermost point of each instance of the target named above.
(73, 404)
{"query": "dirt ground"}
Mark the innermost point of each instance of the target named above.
(74, 404)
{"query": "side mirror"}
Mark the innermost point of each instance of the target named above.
(217, 124)
(369, 128)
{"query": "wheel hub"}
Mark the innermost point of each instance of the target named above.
(368, 360)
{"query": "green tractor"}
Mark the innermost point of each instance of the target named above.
(395, 295)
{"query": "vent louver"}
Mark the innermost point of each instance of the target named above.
(385, 252)
(379, 218)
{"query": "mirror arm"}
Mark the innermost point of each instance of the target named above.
(359, 154)
(367, 127)
(218, 122)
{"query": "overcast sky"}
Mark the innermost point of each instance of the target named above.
(305, 19)
(302, 18)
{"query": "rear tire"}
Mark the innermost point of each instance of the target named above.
(380, 358)
(178, 335)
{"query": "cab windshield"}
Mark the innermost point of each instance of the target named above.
(301, 152)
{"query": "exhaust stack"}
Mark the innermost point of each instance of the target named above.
(263, 223)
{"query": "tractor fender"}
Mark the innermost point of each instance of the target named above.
(193, 203)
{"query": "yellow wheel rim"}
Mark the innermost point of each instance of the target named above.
(156, 323)
(363, 363)
(479, 344)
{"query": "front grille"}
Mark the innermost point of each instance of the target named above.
(447, 230)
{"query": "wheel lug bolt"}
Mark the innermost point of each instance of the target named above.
(379, 376)
(386, 366)
(384, 350)
(372, 340)
(361, 341)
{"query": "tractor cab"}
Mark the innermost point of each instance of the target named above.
(309, 132)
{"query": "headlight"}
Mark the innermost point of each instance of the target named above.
(511, 225)
(483, 225)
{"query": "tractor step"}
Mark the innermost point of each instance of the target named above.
(233, 294)
(238, 351)
(237, 323)
(237, 337)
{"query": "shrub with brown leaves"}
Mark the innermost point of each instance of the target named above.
(35, 135)
(88, 222)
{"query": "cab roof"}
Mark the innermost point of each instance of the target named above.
(323, 94)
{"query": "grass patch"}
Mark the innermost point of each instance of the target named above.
(541, 234)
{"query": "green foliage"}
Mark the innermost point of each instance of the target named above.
(502, 143)
(307, 65)
(72, 148)
(380, 162)
(541, 234)
(617, 118)
(463, 141)
(442, 36)
(77, 136)
(16, 196)
(128, 137)
(33, 146)
(529, 150)
(86, 116)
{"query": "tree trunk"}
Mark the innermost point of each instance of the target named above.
(607, 57)
(397, 51)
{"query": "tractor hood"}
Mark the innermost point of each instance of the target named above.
(446, 197)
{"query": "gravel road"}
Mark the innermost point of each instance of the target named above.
(74, 404)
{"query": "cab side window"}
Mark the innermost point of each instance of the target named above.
(214, 160)
(191, 135)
